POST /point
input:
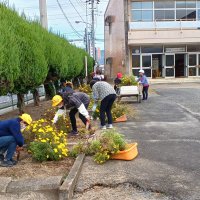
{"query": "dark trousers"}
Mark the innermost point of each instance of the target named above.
(105, 107)
(8, 143)
(72, 115)
(145, 92)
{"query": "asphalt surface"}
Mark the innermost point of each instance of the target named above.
(167, 130)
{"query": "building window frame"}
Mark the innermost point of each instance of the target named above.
(174, 9)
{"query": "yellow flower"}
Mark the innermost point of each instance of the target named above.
(60, 156)
(43, 140)
(55, 150)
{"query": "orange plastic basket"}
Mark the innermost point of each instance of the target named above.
(123, 118)
(130, 153)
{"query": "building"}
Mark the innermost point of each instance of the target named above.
(162, 37)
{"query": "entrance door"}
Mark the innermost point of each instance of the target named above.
(179, 65)
(192, 67)
(156, 65)
(169, 65)
(146, 64)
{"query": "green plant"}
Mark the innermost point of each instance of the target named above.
(42, 151)
(128, 80)
(110, 142)
(77, 149)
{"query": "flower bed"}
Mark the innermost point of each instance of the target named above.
(45, 142)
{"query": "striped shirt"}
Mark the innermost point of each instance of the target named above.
(101, 90)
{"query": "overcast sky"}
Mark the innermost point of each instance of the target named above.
(58, 23)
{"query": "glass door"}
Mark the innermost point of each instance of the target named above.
(199, 65)
(169, 65)
(192, 65)
(147, 64)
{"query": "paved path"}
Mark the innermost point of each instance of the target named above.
(167, 130)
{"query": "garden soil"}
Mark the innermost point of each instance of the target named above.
(26, 167)
(35, 111)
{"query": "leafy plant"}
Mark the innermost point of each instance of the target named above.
(110, 142)
(128, 80)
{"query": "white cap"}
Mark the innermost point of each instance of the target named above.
(141, 71)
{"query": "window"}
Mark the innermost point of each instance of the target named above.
(136, 61)
(192, 59)
(180, 4)
(142, 5)
(164, 10)
(198, 14)
(198, 4)
(161, 15)
(164, 5)
(169, 60)
(136, 15)
(186, 10)
(147, 15)
(146, 61)
(181, 14)
(142, 11)
(136, 49)
(190, 4)
(159, 10)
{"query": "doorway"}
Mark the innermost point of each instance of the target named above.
(156, 65)
(179, 65)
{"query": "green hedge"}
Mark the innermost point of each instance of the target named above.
(30, 55)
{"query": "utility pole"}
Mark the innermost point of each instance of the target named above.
(93, 31)
(43, 13)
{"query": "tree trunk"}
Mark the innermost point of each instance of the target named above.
(49, 90)
(20, 103)
(36, 97)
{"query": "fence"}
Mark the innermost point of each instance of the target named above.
(9, 102)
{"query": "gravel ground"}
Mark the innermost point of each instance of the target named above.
(125, 192)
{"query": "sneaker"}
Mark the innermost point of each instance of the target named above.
(8, 163)
(103, 127)
(110, 126)
(73, 133)
(14, 162)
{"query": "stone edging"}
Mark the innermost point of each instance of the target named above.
(53, 183)
(66, 190)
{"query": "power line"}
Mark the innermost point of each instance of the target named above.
(78, 34)
(76, 10)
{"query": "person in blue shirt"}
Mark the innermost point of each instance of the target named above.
(11, 137)
(144, 81)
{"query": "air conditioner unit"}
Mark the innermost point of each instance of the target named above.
(109, 60)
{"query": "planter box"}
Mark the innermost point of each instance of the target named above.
(123, 118)
(129, 154)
